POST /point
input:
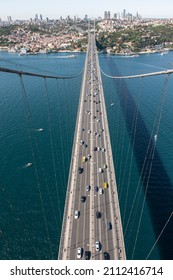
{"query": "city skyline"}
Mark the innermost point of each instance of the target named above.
(54, 9)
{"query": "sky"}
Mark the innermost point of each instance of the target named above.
(53, 9)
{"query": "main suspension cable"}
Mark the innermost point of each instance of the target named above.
(19, 72)
(166, 72)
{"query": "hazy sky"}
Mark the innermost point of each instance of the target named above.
(21, 9)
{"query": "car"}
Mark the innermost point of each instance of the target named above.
(87, 255)
(98, 214)
(105, 185)
(88, 156)
(100, 191)
(80, 170)
(98, 149)
(97, 246)
(96, 188)
(82, 142)
(103, 149)
(85, 145)
(76, 214)
(108, 226)
(105, 166)
(88, 188)
(106, 256)
(79, 252)
(100, 170)
(89, 131)
(82, 199)
(84, 159)
(95, 149)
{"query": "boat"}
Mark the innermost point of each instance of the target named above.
(165, 52)
(71, 56)
(155, 137)
(112, 104)
(40, 129)
(29, 164)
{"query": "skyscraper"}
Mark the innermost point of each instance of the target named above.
(124, 14)
(105, 15)
(9, 19)
(36, 17)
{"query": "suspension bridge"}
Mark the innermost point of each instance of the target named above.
(92, 225)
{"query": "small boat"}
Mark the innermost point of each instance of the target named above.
(155, 137)
(112, 104)
(28, 164)
(40, 129)
(71, 56)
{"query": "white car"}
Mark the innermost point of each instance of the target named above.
(100, 191)
(76, 214)
(100, 170)
(79, 253)
(97, 245)
(88, 188)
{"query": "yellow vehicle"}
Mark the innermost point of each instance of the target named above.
(84, 159)
(105, 185)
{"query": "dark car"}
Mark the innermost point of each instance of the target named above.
(98, 214)
(106, 256)
(80, 169)
(87, 255)
(82, 199)
(108, 226)
(96, 188)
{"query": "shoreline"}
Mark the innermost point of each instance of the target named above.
(135, 54)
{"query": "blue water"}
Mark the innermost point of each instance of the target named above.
(32, 197)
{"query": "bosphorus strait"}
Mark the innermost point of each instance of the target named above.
(37, 123)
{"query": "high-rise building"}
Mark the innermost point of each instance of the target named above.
(9, 19)
(36, 17)
(41, 17)
(124, 14)
(115, 16)
(109, 15)
(105, 15)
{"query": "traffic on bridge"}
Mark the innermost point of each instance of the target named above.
(92, 223)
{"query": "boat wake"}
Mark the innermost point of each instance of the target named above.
(65, 56)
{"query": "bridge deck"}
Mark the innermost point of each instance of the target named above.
(92, 130)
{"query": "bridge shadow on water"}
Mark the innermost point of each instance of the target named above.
(160, 190)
